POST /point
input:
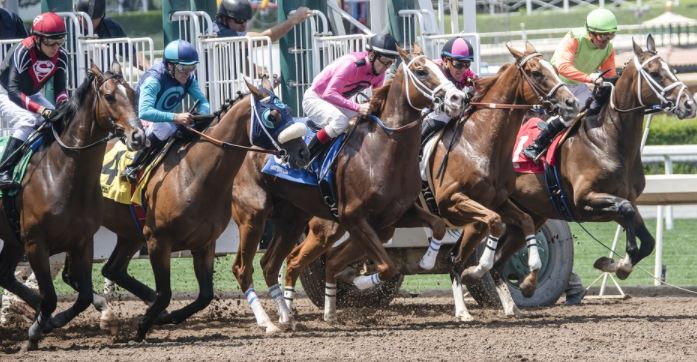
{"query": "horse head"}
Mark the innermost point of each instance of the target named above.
(115, 107)
(427, 86)
(273, 125)
(656, 83)
(542, 83)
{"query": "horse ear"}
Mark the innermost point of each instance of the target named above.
(252, 88)
(266, 83)
(529, 48)
(515, 53)
(416, 50)
(403, 54)
(650, 44)
(95, 70)
(116, 68)
(637, 48)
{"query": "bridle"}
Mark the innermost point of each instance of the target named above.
(424, 89)
(544, 99)
(658, 90)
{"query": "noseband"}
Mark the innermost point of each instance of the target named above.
(425, 90)
(545, 99)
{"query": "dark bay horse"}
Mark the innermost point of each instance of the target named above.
(376, 183)
(60, 203)
(600, 164)
(472, 192)
(188, 200)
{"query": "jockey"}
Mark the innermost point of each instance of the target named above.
(160, 92)
(580, 54)
(233, 16)
(23, 73)
(455, 60)
(327, 102)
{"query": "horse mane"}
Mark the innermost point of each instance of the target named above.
(66, 111)
(483, 85)
(379, 99)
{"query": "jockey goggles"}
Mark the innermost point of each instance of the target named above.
(51, 42)
(186, 68)
(239, 21)
(604, 36)
(386, 61)
(459, 64)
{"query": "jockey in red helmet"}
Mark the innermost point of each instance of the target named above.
(23, 73)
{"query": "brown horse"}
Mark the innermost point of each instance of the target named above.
(477, 175)
(600, 164)
(188, 200)
(60, 203)
(376, 183)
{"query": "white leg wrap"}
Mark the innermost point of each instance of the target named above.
(259, 312)
(509, 307)
(277, 295)
(429, 259)
(461, 312)
(330, 302)
(289, 296)
(486, 262)
(366, 281)
(534, 261)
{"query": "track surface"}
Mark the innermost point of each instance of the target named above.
(412, 328)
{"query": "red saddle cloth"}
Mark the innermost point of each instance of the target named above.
(526, 135)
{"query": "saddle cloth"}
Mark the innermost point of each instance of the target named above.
(21, 167)
(526, 136)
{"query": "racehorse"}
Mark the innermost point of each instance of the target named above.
(600, 165)
(60, 203)
(376, 183)
(188, 200)
(472, 174)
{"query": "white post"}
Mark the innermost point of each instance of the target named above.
(602, 4)
(378, 17)
(659, 246)
(145, 5)
(566, 6)
(669, 209)
(469, 16)
(441, 15)
(528, 6)
(454, 17)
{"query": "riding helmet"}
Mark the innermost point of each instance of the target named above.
(458, 49)
(93, 8)
(383, 44)
(48, 25)
(181, 52)
(238, 9)
(601, 21)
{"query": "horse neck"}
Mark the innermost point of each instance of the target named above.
(400, 113)
(81, 130)
(496, 130)
(212, 163)
(619, 133)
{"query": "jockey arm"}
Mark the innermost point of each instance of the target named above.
(197, 95)
(60, 80)
(569, 47)
(17, 71)
(332, 92)
(146, 103)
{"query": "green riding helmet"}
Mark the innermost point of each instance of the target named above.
(601, 21)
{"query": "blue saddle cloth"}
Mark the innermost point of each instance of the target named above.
(321, 166)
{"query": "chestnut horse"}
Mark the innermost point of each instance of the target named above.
(60, 202)
(188, 200)
(600, 164)
(376, 183)
(476, 178)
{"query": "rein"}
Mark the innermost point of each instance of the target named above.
(228, 145)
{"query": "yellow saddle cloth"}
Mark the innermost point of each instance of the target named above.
(117, 188)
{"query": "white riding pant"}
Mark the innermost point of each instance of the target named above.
(162, 130)
(22, 121)
(332, 118)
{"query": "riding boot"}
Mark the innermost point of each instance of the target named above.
(320, 141)
(143, 157)
(7, 163)
(547, 134)
(429, 127)
(599, 98)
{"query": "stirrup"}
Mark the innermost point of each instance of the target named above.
(131, 173)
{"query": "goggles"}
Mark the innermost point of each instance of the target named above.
(604, 36)
(53, 42)
(386, 61)
(460, 64)
(239, 21)
(186, 68)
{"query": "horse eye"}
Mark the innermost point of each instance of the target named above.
(421, 72)
(110, 97)
(536, 74)
(655, 74)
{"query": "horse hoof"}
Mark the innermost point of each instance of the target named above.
(271, 329)
(515, 313)
(31, 345)
(35, 332)
(287, 326)
(527, 288)
(605, 264)
(623, 273)
(331, 319)
(464, 317)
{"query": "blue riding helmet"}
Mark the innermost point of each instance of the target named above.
(181, 52)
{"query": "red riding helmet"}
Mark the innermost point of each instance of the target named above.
(49, 25)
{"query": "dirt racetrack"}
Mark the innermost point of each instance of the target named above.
(412, 328)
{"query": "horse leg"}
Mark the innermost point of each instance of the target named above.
(79, 263)
(322, 235)
(461, 312)
(362, 232)
(624, 213)
(510, 309)
(286, 235)
(336, 260)
(106, 318)
(512, 215)
(39, 261)
(9, 258)
(415, 217)
(116, 269)
(203, 267)
(647, 240)
(159, 251)
(251, 228)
